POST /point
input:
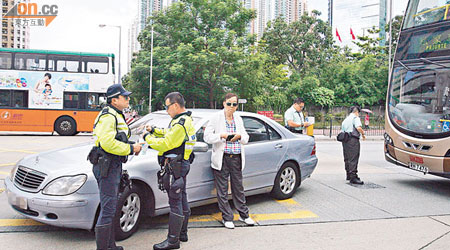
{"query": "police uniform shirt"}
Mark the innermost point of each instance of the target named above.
(347, 124)
(292, 115)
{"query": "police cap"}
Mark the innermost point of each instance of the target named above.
(115, 90)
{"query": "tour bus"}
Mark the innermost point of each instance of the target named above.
(46, 91)
(418, 103)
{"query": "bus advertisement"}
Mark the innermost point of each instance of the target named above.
(418, 102)
(46, 91)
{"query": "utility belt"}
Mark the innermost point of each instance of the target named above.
(170, 165)
(104, 159)
(293, 130)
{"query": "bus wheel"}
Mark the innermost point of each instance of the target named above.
(66, 126)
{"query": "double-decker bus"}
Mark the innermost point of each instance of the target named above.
(418, 102)
(46, 91)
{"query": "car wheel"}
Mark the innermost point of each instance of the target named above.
(66, 126)
(286, 181)
(129, 212)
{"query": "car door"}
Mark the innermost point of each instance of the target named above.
(263, 153)
(200, 180)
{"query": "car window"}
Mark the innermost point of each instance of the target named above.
(201, 133)
(256, 129)
(273, 135)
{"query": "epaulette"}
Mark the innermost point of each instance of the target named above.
(181, 121)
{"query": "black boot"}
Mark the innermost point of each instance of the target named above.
(173, 240)
(112, 240)
(102, 236)
(184, 228)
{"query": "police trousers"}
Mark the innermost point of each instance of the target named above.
(109, 190)
(351, 156)
(177, 193)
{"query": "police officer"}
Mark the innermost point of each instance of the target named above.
(111, 135)
(177, 139)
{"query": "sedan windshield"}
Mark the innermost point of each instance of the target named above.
(419, 97)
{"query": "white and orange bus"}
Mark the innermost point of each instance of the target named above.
(46, 91)
(418, 99)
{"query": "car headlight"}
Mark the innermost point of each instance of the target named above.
(65, 185)
(13, 172)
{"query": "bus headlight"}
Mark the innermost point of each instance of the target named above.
(65, 185)
(388, 140)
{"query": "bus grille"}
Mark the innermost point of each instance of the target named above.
(28, 178)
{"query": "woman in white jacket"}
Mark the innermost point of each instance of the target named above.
(227, 134)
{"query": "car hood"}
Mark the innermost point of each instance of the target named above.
(70, 160)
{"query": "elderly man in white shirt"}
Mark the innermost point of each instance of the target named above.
(227, 134)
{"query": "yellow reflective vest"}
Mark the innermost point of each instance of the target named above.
(181, 133)
(111, 132)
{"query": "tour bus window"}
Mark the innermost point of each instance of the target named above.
(23, 61)
(5, 98)
(71, 100)
(94, 64)
(20, 99)
(5, 60)
(64, 63)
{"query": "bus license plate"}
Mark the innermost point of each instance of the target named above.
(418, 167)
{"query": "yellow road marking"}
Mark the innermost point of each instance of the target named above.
(4, 173)
(288, 202)
(7, 164)
(17, 150)
(1, 190)
(19, 222)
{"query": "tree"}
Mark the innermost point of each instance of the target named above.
(396, 26)
(302, 45)
(200, 49)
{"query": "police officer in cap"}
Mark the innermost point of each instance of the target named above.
(111, 135)
(178, 139)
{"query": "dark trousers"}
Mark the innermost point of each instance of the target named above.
(109, 190)
(231, 167)
(351, 156)
(177, 193)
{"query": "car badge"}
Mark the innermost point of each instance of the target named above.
(37, 160)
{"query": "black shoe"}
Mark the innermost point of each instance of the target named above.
(348, 177)
(356, 181)
(112, 241)
(173, 239)
(170, 243)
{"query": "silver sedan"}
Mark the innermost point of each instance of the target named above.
(58, 187)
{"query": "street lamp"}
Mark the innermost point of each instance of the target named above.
(120, 40)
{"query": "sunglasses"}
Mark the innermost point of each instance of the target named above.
(229, 104)
(126, 97)
(167, 106)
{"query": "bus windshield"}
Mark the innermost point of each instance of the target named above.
(421, 12)
(419, 96)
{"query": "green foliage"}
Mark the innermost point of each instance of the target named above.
(202, 49)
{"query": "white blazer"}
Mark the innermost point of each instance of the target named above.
(216, 126)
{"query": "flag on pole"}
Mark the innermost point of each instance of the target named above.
(353, 35)
(338, 36)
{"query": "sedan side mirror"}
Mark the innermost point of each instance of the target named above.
(201, 147)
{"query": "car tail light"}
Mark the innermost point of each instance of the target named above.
(313, 152)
